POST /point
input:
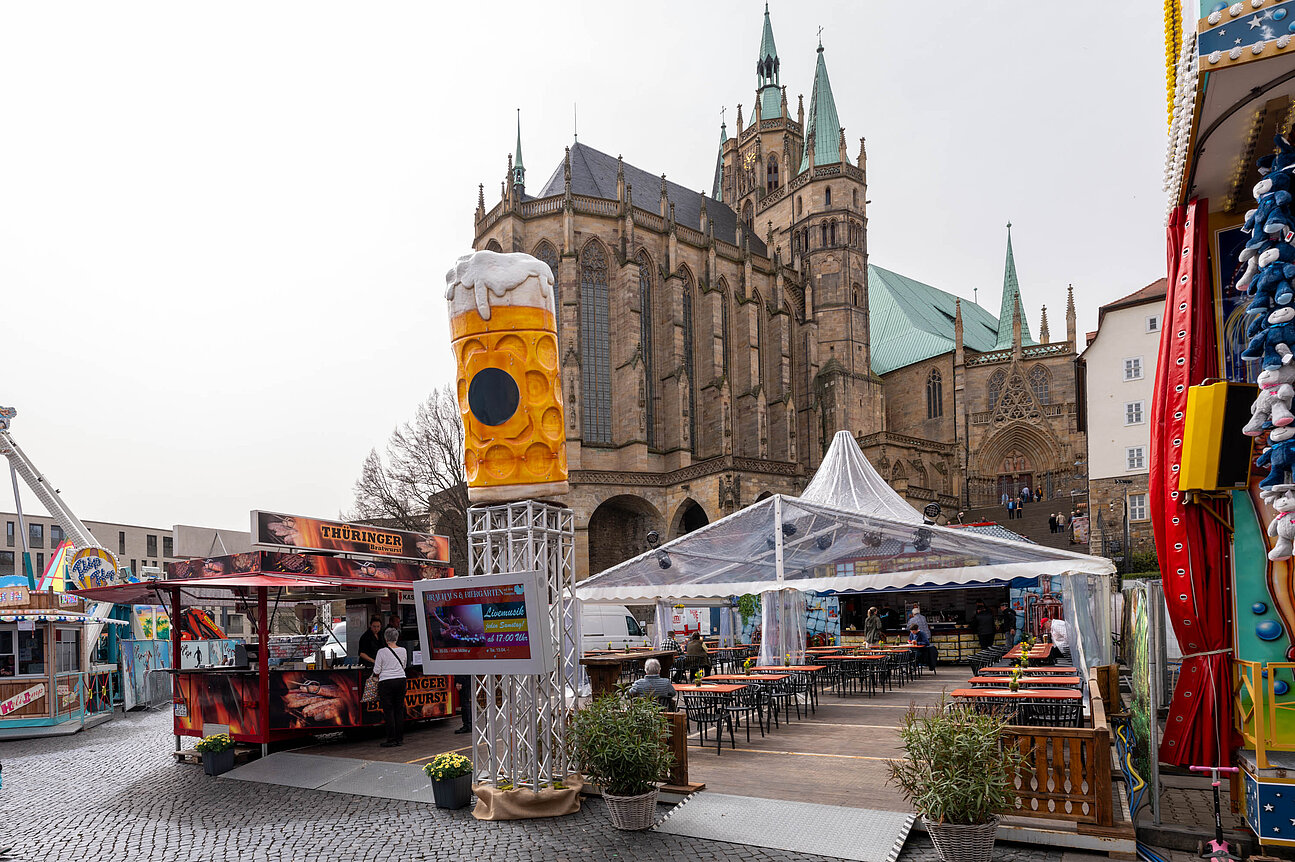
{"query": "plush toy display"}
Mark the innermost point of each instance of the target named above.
(1272, 409)
(1272, 342)
(1282, 527)
(1279, 457)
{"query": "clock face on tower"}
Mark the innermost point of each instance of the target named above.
(749, 159)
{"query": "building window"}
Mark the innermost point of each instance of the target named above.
(168, 546)
(645, 345)
(1039, 383)
(494, 245)
(6, 564)
(856, 295)
(996, 387)
(66, 657)
(55, 535)
(40, 564)
(595, 356)
(1133, 368)
(831, 232)
(121, 543)
(1135, 458)
(827, 196)
(934, 394)
(800, 208)
(150, 543)
(823, 229)
(748, 215)
(688, 359)
(1153, 323)
(723, 299)
(8, 534)
(545, 252)
(1137, 507)
(36, 535)
(1133, 413)
(772, 174)
(854, 198)
(134, 568)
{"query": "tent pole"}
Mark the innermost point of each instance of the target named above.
(777, 560)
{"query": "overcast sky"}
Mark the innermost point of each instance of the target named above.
(224, 228)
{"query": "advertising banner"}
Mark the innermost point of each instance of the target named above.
(314, 698)
(150, 622)
(22, 698)
(484, 624)
(425, 697)
(301, 533)
(300, 564)
(93, 567)
(217, 698)
(14, 597)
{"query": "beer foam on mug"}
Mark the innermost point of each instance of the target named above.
(485, 278)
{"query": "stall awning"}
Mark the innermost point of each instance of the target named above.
(56, 617)
(154, 590)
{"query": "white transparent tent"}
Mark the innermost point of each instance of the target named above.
(849, 531)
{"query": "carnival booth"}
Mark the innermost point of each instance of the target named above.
(848, 534)
(264, 689)
(47, 683)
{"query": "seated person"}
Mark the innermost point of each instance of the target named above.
(653, 685)
(916, 637)
(697, 650)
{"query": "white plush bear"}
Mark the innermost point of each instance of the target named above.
(1274, 401)
(1282, 527)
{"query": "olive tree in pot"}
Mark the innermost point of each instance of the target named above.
(959, 776)
(620, 745)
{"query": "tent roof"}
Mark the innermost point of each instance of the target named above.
(837, 541)
(846, 480)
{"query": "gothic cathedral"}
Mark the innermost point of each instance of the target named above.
(714, 342)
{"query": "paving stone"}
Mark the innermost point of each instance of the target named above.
(114, 793)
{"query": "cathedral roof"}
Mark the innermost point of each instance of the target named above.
(717, 190)
(1011, 299)
(910, 321)
(822, 122)
(593, 174)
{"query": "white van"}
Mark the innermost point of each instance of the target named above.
(601, 625)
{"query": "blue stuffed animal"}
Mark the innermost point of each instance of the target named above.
(1279, 457)
(1278, 161)
(1272, 216)
(1274, 340)
(1271, 288)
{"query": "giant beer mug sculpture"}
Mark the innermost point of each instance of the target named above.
(503, 328)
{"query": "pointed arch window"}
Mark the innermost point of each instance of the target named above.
(823, 228)
(748, 215)
(723, 299)
(934, 394)
(996, 381)
(854, 198)
(800, 206)
(1039, 383)
(645, 346)
(827, 196)
(831, 232)
(494, 245)
(759, 338)
(856, 294)
(771, 174)
(547, 253)
(595, 351)
(688, 358)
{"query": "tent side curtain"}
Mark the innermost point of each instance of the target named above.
(824, 549)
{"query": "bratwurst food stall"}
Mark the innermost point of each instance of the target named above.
(260, 697)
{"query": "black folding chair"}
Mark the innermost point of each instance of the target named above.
(745, 702)
(710, 709)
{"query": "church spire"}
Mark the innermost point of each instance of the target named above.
(767, 74)
(717, 191)
(519, 172)
(822, 125)
(1011, 303)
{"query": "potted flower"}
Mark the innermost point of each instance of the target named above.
(621, 746)
(451, 776)
(959, 776)
(217, 753)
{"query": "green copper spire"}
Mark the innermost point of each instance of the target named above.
(519, 172)
(767, 73)
(1011, 302)
(822, 122)
(717, 192)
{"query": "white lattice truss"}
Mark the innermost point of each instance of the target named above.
(519, 738)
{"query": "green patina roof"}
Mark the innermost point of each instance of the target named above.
(822, 121)
(770, 102)
(767, 48)
(770, 93)
(910, 321)
(718, 189)
(1011, 298)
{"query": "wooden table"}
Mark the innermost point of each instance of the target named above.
(1051, 680)
(1040, 651)
(713, 689)
(800, 668)
(748, 677)
(1008, 694)
(1056, 670)
(605, 667)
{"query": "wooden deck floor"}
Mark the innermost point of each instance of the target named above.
(835, 756)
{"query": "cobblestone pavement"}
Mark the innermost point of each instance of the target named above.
(113, 793)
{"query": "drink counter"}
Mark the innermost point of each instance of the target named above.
(260, 706)
(957, 644)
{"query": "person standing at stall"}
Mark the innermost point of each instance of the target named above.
(1007, 622)
(371, 641)
(984, 625)
(872, 627)
(389, 667)
(463, 682)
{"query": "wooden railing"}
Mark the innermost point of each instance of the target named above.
(1069, 774)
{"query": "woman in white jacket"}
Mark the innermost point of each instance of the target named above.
(389, 668)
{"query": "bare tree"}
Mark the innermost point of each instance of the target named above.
(420, 484)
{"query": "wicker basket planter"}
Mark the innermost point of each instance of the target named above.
(959, 843)
(632, 812)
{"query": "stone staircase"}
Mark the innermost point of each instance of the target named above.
(1033, 523)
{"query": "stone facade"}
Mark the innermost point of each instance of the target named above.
(1106, 499)
(712, 345)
